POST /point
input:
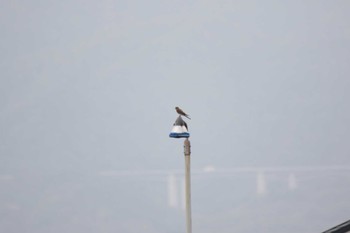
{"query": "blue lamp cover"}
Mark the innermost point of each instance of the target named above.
(179, 129)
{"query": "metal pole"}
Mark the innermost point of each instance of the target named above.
(187, 152)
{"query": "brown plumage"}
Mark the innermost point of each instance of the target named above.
(182, 113)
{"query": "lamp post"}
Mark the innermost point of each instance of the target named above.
(180, 130)
(187, 152)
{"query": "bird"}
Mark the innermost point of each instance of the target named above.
(179, 111)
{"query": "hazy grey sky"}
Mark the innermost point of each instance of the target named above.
(82, 83)
(92, 85)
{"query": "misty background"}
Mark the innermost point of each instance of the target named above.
(87, 97)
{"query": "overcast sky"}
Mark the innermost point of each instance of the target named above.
(89, 86)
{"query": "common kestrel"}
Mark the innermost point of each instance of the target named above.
(179, 111)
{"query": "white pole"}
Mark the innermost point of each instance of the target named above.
(187, 152)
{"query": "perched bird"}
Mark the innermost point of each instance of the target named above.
(179, 111)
